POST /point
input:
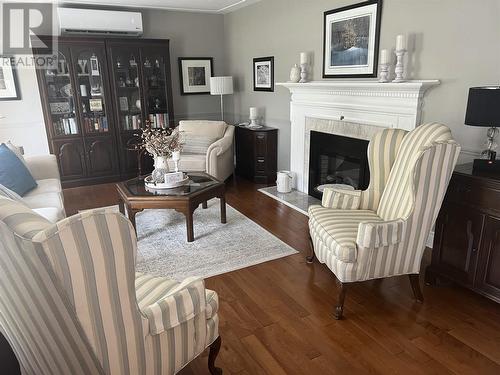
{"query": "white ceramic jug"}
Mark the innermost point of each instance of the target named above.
(284, 182)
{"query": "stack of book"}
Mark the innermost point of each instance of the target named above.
(132, 122)
(96, 125)
(66, 126)
(159, 120)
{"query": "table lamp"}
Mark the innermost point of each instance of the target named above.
(483, 109)
(221, 86)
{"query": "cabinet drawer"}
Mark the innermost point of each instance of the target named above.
(466, 191)
(260, 144)
(260, 164)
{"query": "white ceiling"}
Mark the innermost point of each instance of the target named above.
(210, 6)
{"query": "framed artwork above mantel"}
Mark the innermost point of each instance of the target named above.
(351, 37)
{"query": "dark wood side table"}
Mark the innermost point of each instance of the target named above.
(135, 197)
(466, 246)
(257, 154)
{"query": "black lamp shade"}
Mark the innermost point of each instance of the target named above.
(483, 106)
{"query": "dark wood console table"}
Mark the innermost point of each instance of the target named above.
(466, 246)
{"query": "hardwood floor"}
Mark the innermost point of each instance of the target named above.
(276, 317)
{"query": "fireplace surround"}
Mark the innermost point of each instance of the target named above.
(352, 108)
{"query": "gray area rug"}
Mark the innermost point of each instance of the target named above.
(218, 248)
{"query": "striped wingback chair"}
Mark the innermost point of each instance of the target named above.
(382, 231)
(71, 302)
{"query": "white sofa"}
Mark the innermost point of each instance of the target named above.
(47, 198)
(209, 147)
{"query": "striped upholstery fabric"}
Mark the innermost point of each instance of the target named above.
(379, 234)
(84, 310)
(197, 144)
(7, 193)
(337, 229)
(393, 243)
(397, 199)
(21, 219)
(382, 151)
(341, 199)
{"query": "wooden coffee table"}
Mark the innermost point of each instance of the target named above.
(135, 197)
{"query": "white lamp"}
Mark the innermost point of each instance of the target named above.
(221, 86)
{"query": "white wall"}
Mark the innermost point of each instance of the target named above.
(456, 41)
(22, 121)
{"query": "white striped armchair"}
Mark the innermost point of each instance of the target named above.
(382, 231)
(71, 302)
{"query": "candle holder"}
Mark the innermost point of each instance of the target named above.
(384, 73)
(400, 69)
(303, 73)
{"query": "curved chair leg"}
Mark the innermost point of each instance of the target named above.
(310, 258)
(415, 286)
(214, 351)
(339, 308)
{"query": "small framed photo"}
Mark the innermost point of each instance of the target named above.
(95, 105)
(9, 86)
(263, 74)
(195, 73)
(351, 37)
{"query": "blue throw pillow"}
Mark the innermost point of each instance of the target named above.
(13, 173)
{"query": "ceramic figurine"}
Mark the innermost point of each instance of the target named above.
(295, 74)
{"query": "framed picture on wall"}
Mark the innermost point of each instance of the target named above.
(263, 74)
(9, 87)
(351, 40)
(195, 73)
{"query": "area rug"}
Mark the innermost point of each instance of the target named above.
(218, 248)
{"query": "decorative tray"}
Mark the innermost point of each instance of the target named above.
(148, 182)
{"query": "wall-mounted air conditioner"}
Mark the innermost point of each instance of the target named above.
(99, 22)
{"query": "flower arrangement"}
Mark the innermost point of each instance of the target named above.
(161, 142)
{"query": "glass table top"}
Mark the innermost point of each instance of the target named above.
(197, 182)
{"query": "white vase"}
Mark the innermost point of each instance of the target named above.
(161, 168)
(295, 74)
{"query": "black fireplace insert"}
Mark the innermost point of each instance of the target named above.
(335, 159)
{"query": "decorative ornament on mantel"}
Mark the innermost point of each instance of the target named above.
(304, 65)
(295, 74)
(384, 66)
(400, 53)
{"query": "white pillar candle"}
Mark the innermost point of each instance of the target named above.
(303, 58)
(253, 113)
(384, 56)
(400, 42)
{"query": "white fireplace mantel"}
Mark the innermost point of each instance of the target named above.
(370, 103)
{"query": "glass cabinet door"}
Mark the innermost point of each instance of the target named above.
(90, 65)
(127, 86)
(155, 70)
(60, 96)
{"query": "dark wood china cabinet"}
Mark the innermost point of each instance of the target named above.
(97, 98)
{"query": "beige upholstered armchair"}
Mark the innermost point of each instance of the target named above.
(382, 231)
(209, 147)
(71, 302)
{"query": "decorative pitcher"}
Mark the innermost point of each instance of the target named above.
(161, 168)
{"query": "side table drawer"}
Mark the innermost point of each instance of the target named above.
(260, 165)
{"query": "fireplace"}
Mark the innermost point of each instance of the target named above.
(335, 159)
